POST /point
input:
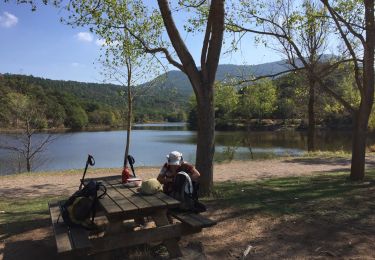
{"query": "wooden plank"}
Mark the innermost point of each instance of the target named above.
(80, 238)
(132, 238)
(151, 199)
(61, 231)
(188, 219)
(157, 200)
(119, 199)
(109, 205)
(193, 219)
(206, 222)
(113, 181)
(105, 178)
(146, 201)
(135, 199)
(171, 202)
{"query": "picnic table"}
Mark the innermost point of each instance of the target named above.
(120, 205)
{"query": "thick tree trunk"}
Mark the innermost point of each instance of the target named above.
(360, 119)
(361, 116)
(311, 113)
(202, 81)
(206, 139)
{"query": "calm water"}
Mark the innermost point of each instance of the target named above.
(150, 143)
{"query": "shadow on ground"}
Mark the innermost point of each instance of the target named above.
(315, 217)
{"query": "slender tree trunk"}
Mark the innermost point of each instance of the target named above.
(311, 113)
(128, 127)
(28, 164)
(361, 116)
(28, 146)
(206, 138)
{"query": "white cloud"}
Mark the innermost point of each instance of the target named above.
(8, 20)
(75, 64)
(84, 37)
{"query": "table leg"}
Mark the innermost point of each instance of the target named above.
(160, 218)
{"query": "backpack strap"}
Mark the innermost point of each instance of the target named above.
(99, 186)
(190, 184)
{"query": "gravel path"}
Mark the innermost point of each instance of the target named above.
(64, 183)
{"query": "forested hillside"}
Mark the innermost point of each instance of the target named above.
(75, 104)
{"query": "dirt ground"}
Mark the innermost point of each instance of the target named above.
(237, 231)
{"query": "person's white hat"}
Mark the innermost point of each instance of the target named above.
(174, 158)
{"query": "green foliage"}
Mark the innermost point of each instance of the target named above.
(226, 101)
(25, 112)
(283, 98)
(76, 117)
(292, 96)
(258, 100)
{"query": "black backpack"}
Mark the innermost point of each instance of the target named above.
(77, 210)
(186, 191)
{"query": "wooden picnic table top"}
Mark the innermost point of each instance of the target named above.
(126, 203)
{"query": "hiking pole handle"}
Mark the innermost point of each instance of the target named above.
(90, 161)
(131, 162)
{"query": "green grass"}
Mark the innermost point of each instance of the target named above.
(18, 210)
(323, 194)
(20, 215)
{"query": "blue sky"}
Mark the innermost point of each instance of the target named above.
(36, 43)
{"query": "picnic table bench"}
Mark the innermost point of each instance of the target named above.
(125, 204)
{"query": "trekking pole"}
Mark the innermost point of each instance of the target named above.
(90, 160)
(131, 162)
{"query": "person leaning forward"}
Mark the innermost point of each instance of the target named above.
(175, 164)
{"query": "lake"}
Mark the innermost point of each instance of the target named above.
(150, 144)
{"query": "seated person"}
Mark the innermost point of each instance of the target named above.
(175, 164)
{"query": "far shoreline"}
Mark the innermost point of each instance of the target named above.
(267, 125)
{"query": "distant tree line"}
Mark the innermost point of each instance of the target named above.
(75, 105)
(285, 98)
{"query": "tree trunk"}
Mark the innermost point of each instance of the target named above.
(360, 120)
(311, 112)
(28, 164)
(361, 116)
(206, 138)
(128, 128)
(28, 145)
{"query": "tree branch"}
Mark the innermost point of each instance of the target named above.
(205, 44)
(348, 45)
(341, 19)
(217, 33)
(268, 76)
(188, 63)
